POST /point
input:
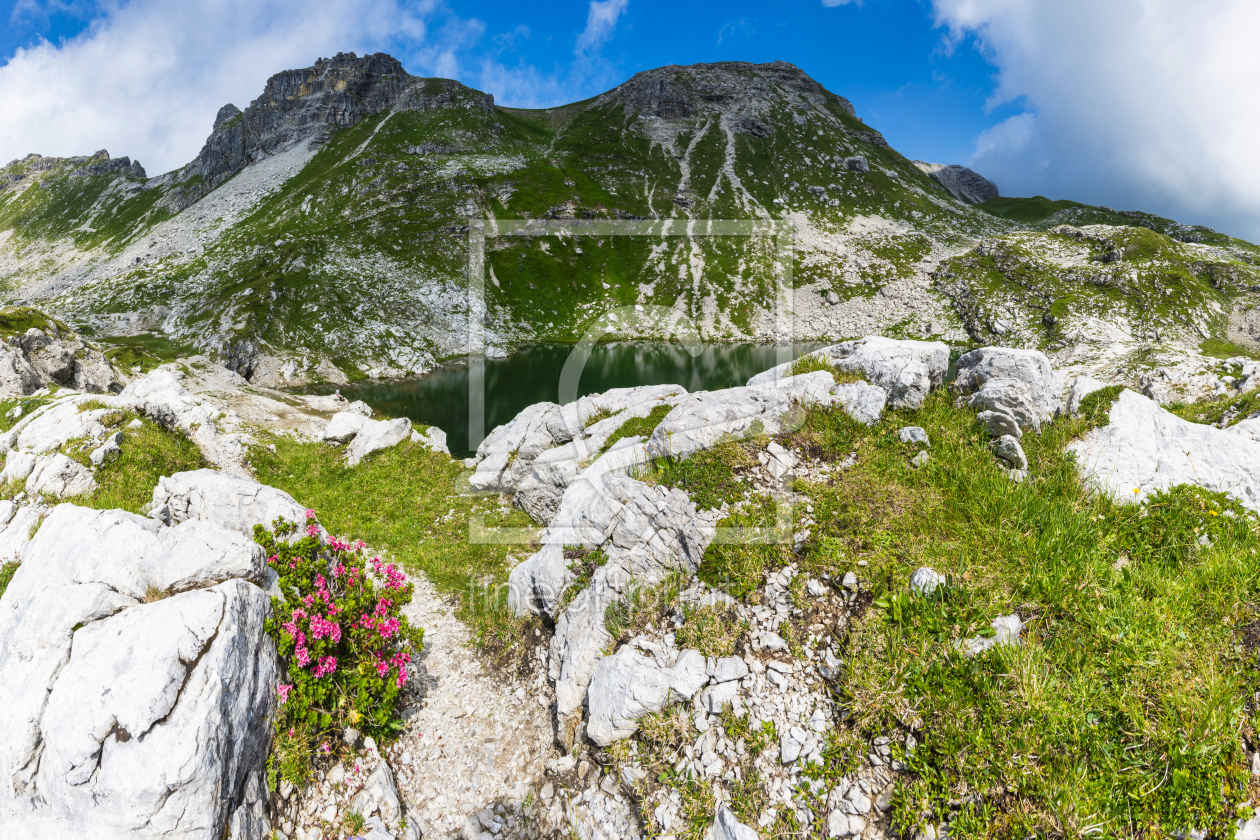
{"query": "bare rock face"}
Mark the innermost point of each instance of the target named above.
(136, 680)
(682, 92)
(1145, 448)
(300, 104)
(963, 183)
(53, 356)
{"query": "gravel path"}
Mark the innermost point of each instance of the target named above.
(476, 740)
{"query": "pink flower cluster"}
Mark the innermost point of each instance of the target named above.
(394, 579)
(399, 660)
(322, 628)
(312, 527)
(326, 666)
(283, 691)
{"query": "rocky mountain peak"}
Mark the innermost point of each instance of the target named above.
(294, 105)
(963, 183)
(685, 91)
(226, 114)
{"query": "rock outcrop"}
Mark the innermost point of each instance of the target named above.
(302, 104)
(136, 680)
(962, 183)
(53, 355)
(1019, 387)
(1144, 448)
(906, 370)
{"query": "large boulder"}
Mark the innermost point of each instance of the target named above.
(1144, 448)
(343, 426)
(375, 435)
(627, 685)
(1018, 383)
(136, 680)
(51, 355)
(237, 504)
(18, 376)
(906, 370)
(705, 418)
(60, 477)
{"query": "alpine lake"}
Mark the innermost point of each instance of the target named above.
(539, 372)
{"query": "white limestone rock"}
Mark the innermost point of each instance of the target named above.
(628, 685)
(540, 491)
(15, 535)
(1020, 382)
(1248, 429)
(705, 418)
(60, 477)
(727, 827)
(235, 503)
(651, 532)
(1081, 387)
(925, 580)
(864, 403)
(524, 435)
(379, 795)
(17, 465)
(126, 718)
(1145, 448)
(17, 376)
(375, 435)
(343, 426)
(1007, 449)
(107, 450)
(434, 438)
(915, 435)
(1006, 631)
(905, 370)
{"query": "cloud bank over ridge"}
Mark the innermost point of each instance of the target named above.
(1137, 104)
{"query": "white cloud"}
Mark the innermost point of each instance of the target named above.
(831, 4)
(601, 22)
(146, 78)
(1140, 104)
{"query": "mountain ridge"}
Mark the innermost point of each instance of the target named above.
(320, 232)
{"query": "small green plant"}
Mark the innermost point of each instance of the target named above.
(637, 426)
(354, 822)
(749, 542)
(1096, 407)
(346, 644)
(709, 477)
(712, 630)
(1171, 525)
(583, 564)
(6, 574)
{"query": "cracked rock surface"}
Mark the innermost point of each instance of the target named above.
(136, 679)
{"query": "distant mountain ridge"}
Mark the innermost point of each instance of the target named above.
(321, 232)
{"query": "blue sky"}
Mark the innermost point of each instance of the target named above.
(886, 57)
(1147, 104)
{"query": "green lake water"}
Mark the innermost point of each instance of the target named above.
(534, 374)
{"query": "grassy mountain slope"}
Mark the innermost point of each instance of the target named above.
(329, 250)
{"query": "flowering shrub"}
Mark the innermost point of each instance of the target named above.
(346, 647)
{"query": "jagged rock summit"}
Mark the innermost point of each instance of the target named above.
(303, 104)
(963, 183)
